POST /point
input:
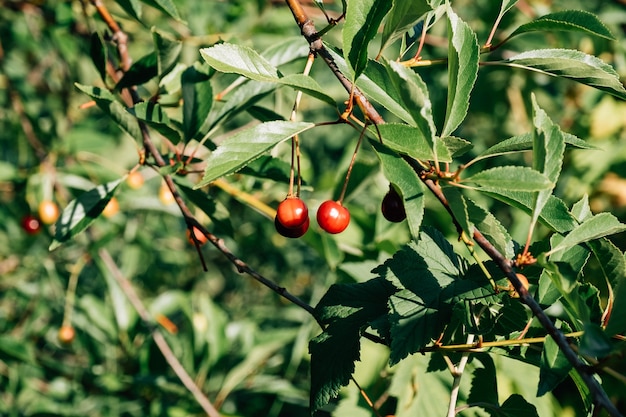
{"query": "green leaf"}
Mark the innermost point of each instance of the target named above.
(409, 140)
(510, 178)
(168, 50)
(573, 65)
(484, 384)
(404, 14)
(99, 54)
(595, 342)
(197, 100)
(244, 147)
(463, 57)
(567, 20)
(362, 21)
(132, 7)
(268, 167)
(491, 228)
(524, 142)
(456, 146)
(166, 6)
(581, 210)
(548, 149)
(142, 71)
(346, 308)
(109, 104)
(414, 98)
(407, 183)
(216, 211)
(610, 260)
(238, 59)
(154, 116)
(82, 211)
(617, 320)
(516, 406)
(459, 207)
(554, 215)
(553, 369)
(244, 61)
(598, 226)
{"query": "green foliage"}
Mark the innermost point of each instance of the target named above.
(503, 143)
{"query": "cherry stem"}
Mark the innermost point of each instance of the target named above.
(356, 149)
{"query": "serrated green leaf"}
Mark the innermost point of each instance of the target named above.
(581, 210)
(142, 71)
(554, 215)
(346, 308)
(573, 65)
(463, 57)
(407, 183)
(456, 146)
(197, 100)
(459, 207)
(404, 14)
(554, 367)
(409, 140)
(510, 178)
(154, 116)
(107, 102)
(413, 95)
(524, 142)
(548, 149)
(595, 342)
(167, 49)
(566, 20)
(362, 21)
(598, 226)
(491, 228)
(244, 147)
(82, 211)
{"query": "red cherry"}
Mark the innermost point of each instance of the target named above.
(31, 224)
(292, 212)
(333, 217)
(392, 206)
(291, 232)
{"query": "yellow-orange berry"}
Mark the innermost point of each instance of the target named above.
(48, 212)
(66, 334)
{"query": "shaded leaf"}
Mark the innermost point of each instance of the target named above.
(510, 178)
(459, 208)
(362, 21)
(567, 20)
(155, 117)
(463, 57)
(142, 71)
(516, 406)
(82, 211)
(617, 320)
(197, 99)
(166, 6)
(109, 104)
(595, 342)
(243, 147)
(407, 183)
(167, 50)
(491, 228)
(269, 168)
(574, 65)
(99, 54)
(484, 387)
(134, 8)
(554, 367)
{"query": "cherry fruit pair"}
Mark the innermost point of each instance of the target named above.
(292, 217)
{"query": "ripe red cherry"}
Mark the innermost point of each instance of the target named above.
(333, 217)
(392, 206)
(291, 232)
(292, 212)
(31, 224)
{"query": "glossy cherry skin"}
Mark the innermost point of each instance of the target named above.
(291, 232)
(333, 217)
(392, 206)
(292, 212)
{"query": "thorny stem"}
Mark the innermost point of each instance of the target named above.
(600, 397)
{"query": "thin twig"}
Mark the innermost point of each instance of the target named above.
(158, 337)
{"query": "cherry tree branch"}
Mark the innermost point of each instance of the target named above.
(600, 397)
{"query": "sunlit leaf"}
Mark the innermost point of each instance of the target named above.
(600, 225)
(153, 115)
(510, 178)
(82, 211)
(463, 57)
(574, 65)
(246, 146)
(567, 20)
(363, 19)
